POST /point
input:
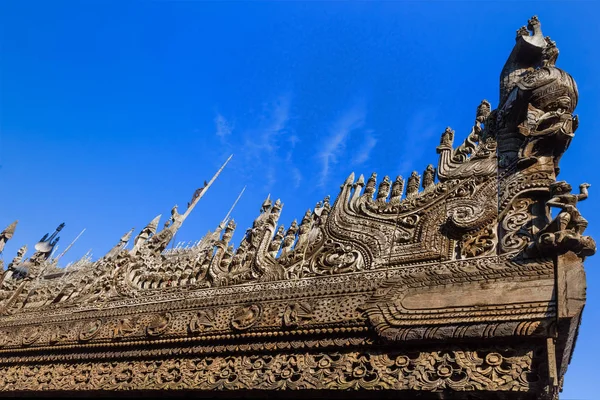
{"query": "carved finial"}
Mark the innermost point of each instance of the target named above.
(550, 53)
(412, 187)
(121, 245)
(533, 24)
(397, 188)
(384, 189)
(522, 31)
(7, 234)
(360, 181)
(428, 177)
(276, 242)
(18, 258)
(266, 205)
(483, 111)
(145, 233)
(447, 138)
(350, 179)
(277, 207)
(290, 235)
(370, 188)
(228, 232)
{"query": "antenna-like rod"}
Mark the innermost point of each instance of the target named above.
(233, 206)
(70, 245)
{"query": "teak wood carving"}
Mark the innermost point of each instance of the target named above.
(464, 286)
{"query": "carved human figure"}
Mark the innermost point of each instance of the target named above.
(397, 188)
(370, 187)
(412, 187)
(428, 176)
(384, 189)
(174, 216)
(565, 231)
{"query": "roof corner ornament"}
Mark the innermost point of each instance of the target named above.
(534, 126)
(7, 234)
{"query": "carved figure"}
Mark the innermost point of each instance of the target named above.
(565, 232)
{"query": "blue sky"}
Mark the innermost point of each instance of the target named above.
(112, 112)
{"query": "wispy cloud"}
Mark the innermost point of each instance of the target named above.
(419, 129)
(367, 145)
(335, 144)
(224, 127)
(296, 177)
(263, 143)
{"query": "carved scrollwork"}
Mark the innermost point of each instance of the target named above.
(336, 258)
(479, 244)
(453, 370)
(515, 225)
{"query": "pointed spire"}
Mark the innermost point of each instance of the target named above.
(145, 233)
(201, 191)
(7, 234)
(266, 204)
(121, 245)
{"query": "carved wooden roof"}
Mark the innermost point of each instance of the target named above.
(457, 280)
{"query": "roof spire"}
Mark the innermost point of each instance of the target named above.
(161, 240)
(7, 234)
